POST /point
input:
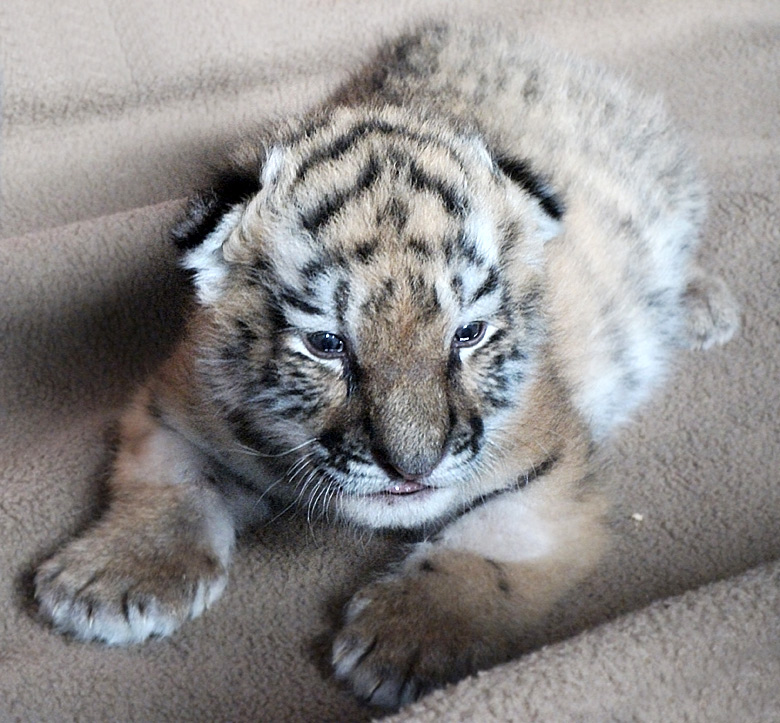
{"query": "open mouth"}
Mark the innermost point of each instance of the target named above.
(405, 487)
(398, 503)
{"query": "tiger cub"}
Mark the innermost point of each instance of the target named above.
(422, 305)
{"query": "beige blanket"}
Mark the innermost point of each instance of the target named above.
(112, 110)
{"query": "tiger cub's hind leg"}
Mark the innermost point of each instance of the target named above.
(711, 312)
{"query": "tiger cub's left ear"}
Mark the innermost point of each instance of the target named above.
(550, 207)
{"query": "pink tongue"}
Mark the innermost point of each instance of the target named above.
(404, 488)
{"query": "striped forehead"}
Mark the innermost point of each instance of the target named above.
(341, 294)
(379, 176)
(371, 201)
(333, 287)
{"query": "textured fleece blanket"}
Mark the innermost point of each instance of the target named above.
(112, 110)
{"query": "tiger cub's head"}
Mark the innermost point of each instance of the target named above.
(372, 296)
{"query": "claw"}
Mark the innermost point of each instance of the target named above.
(348, 653)
(356, 606)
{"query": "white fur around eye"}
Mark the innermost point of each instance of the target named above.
(298, 345)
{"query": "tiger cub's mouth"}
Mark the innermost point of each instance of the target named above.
(405, 487)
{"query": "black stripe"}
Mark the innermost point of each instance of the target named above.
(523, 480)
(341, 299)
(456, 284)
(477, 432)
(497, 402)
(291, 298)
(462, 245)
(314, 268)
(352, 374)
(488, 287)
(378, 300)
(221, 472)
(275, 321)
(325, 211)
(470, 439)
(239, 346)
(341, 145)
(452, 201)
(454, 366)
(498, 335)
(365, 252)
(419, 248)
(424, 295)
(244, 430)
(397, 212)
(529, 302)
(431, 531)
(501, 579)
(520, 172)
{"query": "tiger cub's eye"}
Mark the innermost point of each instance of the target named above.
(324, 344)
(469, 334)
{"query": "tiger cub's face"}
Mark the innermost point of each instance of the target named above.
(373, 315)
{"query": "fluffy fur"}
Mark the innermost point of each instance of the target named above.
(422, 305)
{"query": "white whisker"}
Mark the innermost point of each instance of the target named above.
(245, 449)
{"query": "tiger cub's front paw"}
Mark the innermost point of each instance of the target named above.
(121, 589)
(412, 632)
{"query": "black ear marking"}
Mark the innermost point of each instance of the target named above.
(206, 208)
(520, 171)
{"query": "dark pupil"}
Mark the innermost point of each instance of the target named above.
(468, 332)
(326, 343)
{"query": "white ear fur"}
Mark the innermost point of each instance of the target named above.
(272, 167)
(540, 228)
(208, 261)
(482, 151)
(547, 227)
(538, 225)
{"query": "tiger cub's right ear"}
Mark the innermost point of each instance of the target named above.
(212, 216)
(207, 208)
(209, 219)
(253, 168)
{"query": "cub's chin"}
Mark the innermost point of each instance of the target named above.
(400, 505)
